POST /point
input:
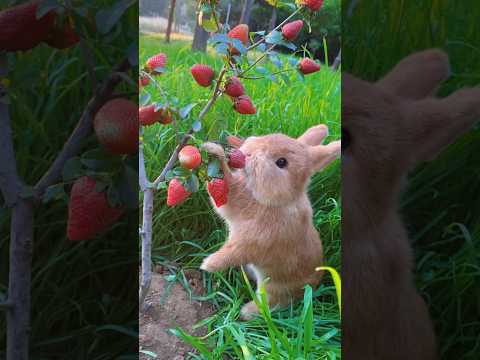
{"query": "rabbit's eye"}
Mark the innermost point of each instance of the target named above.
(281, 163)
(346, 139)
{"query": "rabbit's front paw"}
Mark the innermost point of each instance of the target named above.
(214, 149)
(211, 263)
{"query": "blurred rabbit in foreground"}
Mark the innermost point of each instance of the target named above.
(388, 128)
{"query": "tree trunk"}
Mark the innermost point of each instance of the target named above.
(273, 20)
(246, 11)
(170, 20)
(176, 21)
(19, 282)
(199, 39)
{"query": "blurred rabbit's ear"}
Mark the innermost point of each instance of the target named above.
(235, 141)
(436, 123)
(418, 75)
(322, 155)
(314, 136)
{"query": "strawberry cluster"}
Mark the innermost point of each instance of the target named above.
(22, 30)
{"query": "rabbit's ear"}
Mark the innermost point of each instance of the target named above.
(235, 141)
(314, 136)
(436, 123)
(322, 155)
(418, 75)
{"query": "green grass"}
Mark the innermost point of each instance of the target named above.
(184, 235)
(442, 202)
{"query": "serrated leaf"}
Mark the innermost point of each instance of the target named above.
(162, 185)
(221, 49)
(53, 192)
(237, 44)
(159, 70)
(145, 99)
(106, 19)
(197, 126)
(169, 175)
(288, 45)
(275, 37)
(72, 169)
(210, 25)
(192, 185)
(213, 169)
(45, 7)
(181, 172)
(219, 39)
(185, 111)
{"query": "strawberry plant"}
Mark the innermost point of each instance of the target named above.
(242, 53)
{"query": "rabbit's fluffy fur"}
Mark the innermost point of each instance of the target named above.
(269, 215)
(391, 125)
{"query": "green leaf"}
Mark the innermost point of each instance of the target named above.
(192, 185)
(72, 170)
(275, 60)
(213, 168)
(128, 188)
(293, 61)
(275, 37)
(219, 39)
(337, 281)
(185, 111)
(98, 159)
(149, 353)
(237, 44)
(54, 192)
(210, 25)
(197, 126)
(221, 49)
(145, 99)
(162, 185)
(261, 70)
(107, 18)
(45, 7)
(169, 175)
(181, 172)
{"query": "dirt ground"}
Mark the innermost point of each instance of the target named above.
(167, 309)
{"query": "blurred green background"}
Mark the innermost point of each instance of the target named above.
(81, 306)
(442, 202)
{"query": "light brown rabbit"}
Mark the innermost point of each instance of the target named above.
(269, 215)
(388, 128)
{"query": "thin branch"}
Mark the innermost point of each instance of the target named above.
(173, 158)
(257, 61)
(253, 46)
(263, 77)
(83, 129)
(142, 173)
(10, 183)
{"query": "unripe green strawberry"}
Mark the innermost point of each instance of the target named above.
(291, 30)
(116, 126)
(236, 159)
(313, 5)
(176, 193)
(218, 190)
(203, 74)
(234, 87)
(89, 212)
(308, 66)
(158, 61)
(239, 32)
(20, 29)
(190, 157)
(62, 38)
(243, 105)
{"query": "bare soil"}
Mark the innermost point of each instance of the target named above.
(167, 309)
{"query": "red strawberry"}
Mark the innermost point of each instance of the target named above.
(62, 38)
(237, 159)
(291, 30)
(308, 66)
(176, 193)
(243, 105)
(218, 190)
(157, 61)
(234, 87)
(190, 157)
(20, 29)
(116, 126)
(148, 116)
(89, 212)
(203, 74)
(239, 32)
(143, 81)
(313, 5)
